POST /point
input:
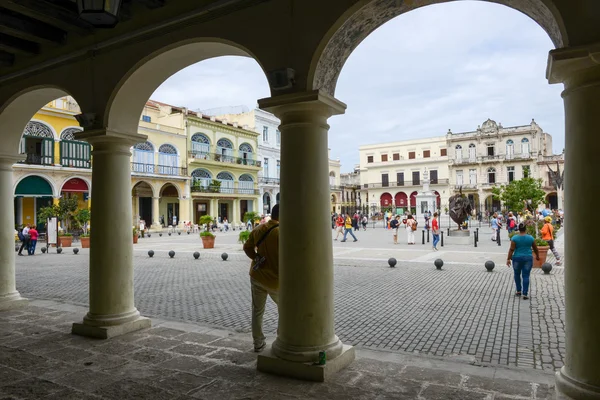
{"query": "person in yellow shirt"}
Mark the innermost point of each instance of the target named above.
(348, 228)
(548, 235)
(262, 247)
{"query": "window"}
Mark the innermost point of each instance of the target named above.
(146, 118)
(458, 151)
(511, 173)
(265, 134)
(472, 176)
(490, 150)
(416, 178)
(426, 153)
(384, 157)
(332, 178)
(411, 155)
(491, 175)
(526, 171)
(525, 147)
(400, 178)
(443, 152)
(433, 177)
(472, 152)
(266, 168)
(278, 168)
(369, 159)
(385, 180)
(396, 156)
(278, 137)
(459, 177)
(510, 149)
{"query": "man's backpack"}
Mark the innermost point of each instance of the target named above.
(511, 224)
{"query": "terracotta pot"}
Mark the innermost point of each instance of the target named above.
(65, 241)
(85, 242)
(208, 242)
(543, 250)
(135, 239)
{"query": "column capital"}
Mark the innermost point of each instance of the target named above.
(107, 137)
(302, 101)
(576, 65)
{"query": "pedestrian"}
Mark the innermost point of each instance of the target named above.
(395, 224)
(339, 226)
(365, 220)
(355, 221)
(262, 247)
(348, 226)
(522, 260)
(33, 238)
(226, 224)
(548, 236)
(411, 227)
(24, 237)
(494, 222)
(435, 230)
(511, 223)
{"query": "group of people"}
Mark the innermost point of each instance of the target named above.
(28, 237)
(411, 224)
(343, 223)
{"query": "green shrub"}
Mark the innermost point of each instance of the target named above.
(243, 237)
(540, 242)
(207, 234)
(65, 234)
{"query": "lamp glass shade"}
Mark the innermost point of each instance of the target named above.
(100, 13)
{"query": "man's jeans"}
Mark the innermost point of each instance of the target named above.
(348, 231)
(436, 240)
(259, 299)
(522, 267)
(31, 248)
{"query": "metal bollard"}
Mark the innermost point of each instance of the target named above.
(442, 238)
(475, 239)
(423, 237)
(498, 237)
(477, 231)
(427, 235)
(448, 231)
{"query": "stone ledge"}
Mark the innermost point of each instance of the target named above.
(271, 364)
(14, 304)
(107, 332)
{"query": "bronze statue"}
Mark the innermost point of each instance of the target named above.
(460, 208)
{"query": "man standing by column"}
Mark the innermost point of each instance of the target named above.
(262, 247)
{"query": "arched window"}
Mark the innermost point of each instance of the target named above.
(491, 175)
(201, 179)
(472, 152)
(168, 161)
(277, 199)
(225, 150)
(143, 158)
(200, 144)
(510, 149)
(226, 180)
(458, 151)
(43, 155)
(525, 147)
(38, 129)
(74, 153)
(69, 134)
(267, 203)
(246, 184)
(332, 178)
(245, 152)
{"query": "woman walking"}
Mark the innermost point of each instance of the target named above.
(435, 230)
(548, 236)
(522, 260)
(411, 227)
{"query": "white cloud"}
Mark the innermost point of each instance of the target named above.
(450, 65)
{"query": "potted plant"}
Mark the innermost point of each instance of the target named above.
(251, 216)
(135, 235)
(85, 240)
(543, 248)
(208, 239)
(65, 239)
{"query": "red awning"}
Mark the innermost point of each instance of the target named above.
(75, 185)
(413, 199)
(401, 199)
(386, 200)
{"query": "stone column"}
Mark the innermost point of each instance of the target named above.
(112, 310)
(306, 260)
(579, 70)
(9, 296)
(156, 213)
(235, 213)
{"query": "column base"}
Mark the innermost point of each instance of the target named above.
(568, 388)
(12, 301)
(107, 332)
(269, 363)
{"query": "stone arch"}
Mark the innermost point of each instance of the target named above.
(127, 100)
(385, 200)
(168, 185)
(367, 15)
(87, 181)
(141, 182)
(50, 181)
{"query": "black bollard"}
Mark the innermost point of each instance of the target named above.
(423, 237)
(442, 239)
(474, 239)
(427, 235)
(498, 237)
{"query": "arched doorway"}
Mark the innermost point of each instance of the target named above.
(169, 204)
(413, 203)
(142, 194)
(385, 200)
(552, 201)
(492, 205)
(401, 202)
(266, 203)
(76, 187)
(277, 199)
(31, 194)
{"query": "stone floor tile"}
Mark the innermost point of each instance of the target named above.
(233, 356)
(51, 369)
(196, 337)
(188, 364)
(436, 376)
(503, 386)
(69, 354)
(83, 342)
(130, 390)
(158, 342)
(545, 392)
(151, 356)
(19, 359)
(168, 333)
(232, 372)
(116, 348)
(86, 380)
(9, 375)
(193, 349)
(102, 362)
(228, 390)
(439, 392)
(40, 347)
(376, 366)
(32, 388)
(134, 370)
(178, 382)
(71, 394)
(333, 391)
(234, 344)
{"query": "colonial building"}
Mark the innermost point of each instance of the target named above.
(351, 196)
(391, 173)
(335, 184)
(549, 166)
(269, 148)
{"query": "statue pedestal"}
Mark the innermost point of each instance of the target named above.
(458, 237)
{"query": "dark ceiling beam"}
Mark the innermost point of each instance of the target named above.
(151, 4)
(29, 30)
(6, 59)
(50, 14)
(19, 46)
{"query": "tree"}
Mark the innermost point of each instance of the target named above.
(83, 217)
(64, 211)
(251, 216)
(519, 195)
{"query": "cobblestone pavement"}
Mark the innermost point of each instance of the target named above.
(462, 312)
(40, 360)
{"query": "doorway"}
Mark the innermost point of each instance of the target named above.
(172, 213)
(145, 210)
(223, 211)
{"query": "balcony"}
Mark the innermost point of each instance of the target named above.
(36, 159)
(225, 190)
(486, 159)
(269, 181)
(468, 186)
(140, 168)
(463, 161)
(436, 182)
(198, 155)
(519, 156)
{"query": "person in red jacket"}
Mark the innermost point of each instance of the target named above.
(339, 226)
(33, 237)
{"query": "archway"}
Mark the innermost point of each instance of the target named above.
(552, 201)
(438, 200)
(266, 203)
(142, 194)
(77, 187)
(31, 194)
(413, 203)
(401, 202)
(385, 200)
(169, 204)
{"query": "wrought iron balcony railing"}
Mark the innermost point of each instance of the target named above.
(141, 168)
(198, 155)
(269, 181)
(433, 182)
(37, 159)
(226, 190)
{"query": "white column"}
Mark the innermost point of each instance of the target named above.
(306, 320)
(155, 213)
(9, 296)
(235, 213)
(579, 70)
(112, 310)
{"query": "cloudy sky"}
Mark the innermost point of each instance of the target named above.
(445, 66)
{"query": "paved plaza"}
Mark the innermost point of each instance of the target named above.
(460, 313)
